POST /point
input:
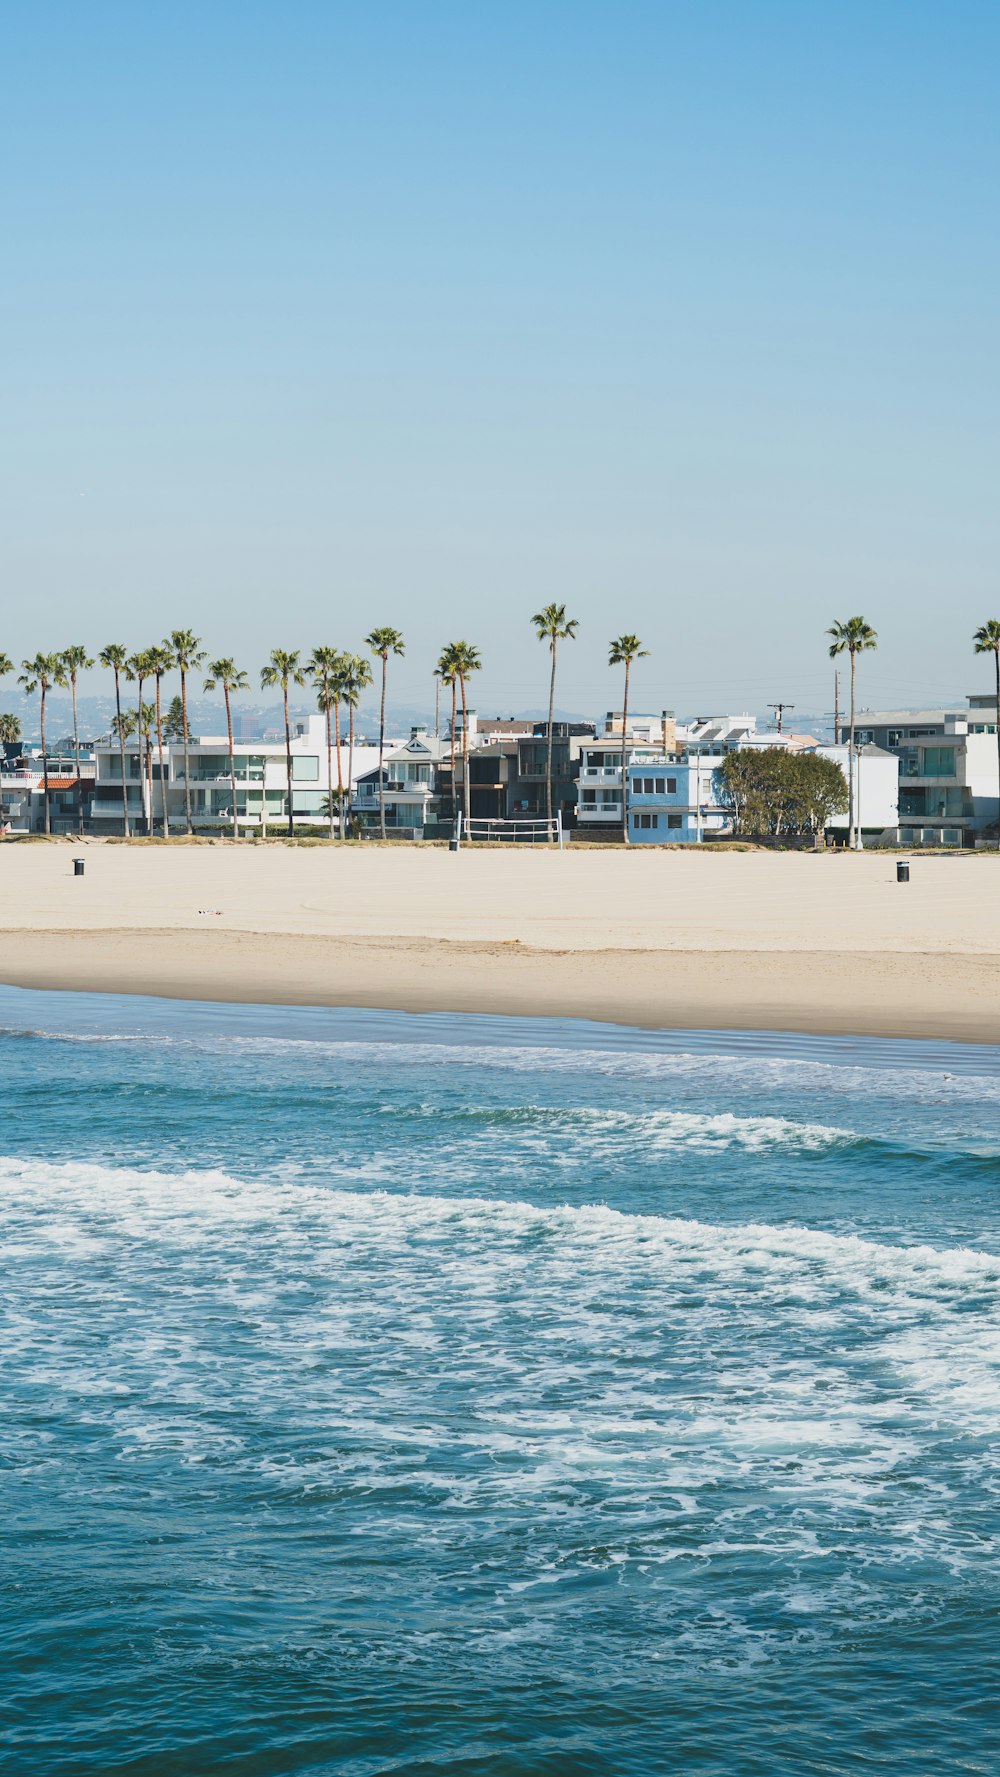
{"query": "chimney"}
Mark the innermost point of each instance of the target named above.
(669, 731)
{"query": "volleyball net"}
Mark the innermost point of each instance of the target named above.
(523, 830)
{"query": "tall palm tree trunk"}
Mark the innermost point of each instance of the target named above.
(329, 755)
(159, 749)
(996, 658)
(625, 837)
(454, 784)
(850, 768)
(121, 753)
(340, 771)
(187, 760)
(147, 824)
(76, 755)
(149, 783)
(288, 763)
(381, 750)
(232, 760)
(350, 751)
(548, 762)
(465, 752)
(45, 767)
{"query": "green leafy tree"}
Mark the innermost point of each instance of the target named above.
(770, 792)
(853, 636)
(553, 626)
(624, 651)
(283, 669)
(383, 642)
(322, 667)
(114, 659)
(173, 721)
(76, 660)
(189, 657)
(6, 665)
(10, 730)
(987, 641)
(225, 674)
(40, 674)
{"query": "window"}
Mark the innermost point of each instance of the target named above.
(864, 737)
(645, 821)
(939, 762)
(894, 737)
(589, 798)
(675, 821)
(305, 766)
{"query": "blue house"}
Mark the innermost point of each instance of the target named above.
(672, 801)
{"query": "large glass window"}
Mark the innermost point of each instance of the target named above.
(938, 762)
(305, 766)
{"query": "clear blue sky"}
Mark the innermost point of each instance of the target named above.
(317, 315)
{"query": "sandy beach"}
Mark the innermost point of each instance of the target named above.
(797, 941)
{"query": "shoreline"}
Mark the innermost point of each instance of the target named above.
(861, 993)
(761, 941)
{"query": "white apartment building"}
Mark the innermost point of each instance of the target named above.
(949, 786)
(261, 773)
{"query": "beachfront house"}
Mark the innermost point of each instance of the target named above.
(949, 793)
(674, 800)
(411, 789)
(261, 772)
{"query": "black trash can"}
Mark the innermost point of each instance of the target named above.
(902, 871)
(453, 845)
(78, 864)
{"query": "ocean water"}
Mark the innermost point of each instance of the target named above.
(473, 1396)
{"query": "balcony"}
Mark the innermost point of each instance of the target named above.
(601, 811)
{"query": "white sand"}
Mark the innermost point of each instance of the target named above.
(806, 941)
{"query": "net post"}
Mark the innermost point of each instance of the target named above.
(559, 829)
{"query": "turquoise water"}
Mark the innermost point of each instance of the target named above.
(386, 1394)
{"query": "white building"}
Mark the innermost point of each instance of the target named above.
(876, 792)
(261, 773)
(949, 793)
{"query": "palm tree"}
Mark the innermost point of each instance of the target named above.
(140, 668)
(322, 668)
(40, 674)
(987, 641)
(115, 659)
(225, 673)
(852, 637)
(448, 675)
(383, 642)
(10, 734)
(74, 661)
(283, 669)
(340, 682)
(465, 660)
(189, 657)
(6, 665)
(552, 625)
(163, 661)
(145, 717)
(623, 651)
(355, 678)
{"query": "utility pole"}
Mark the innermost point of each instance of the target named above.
(779, 710)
